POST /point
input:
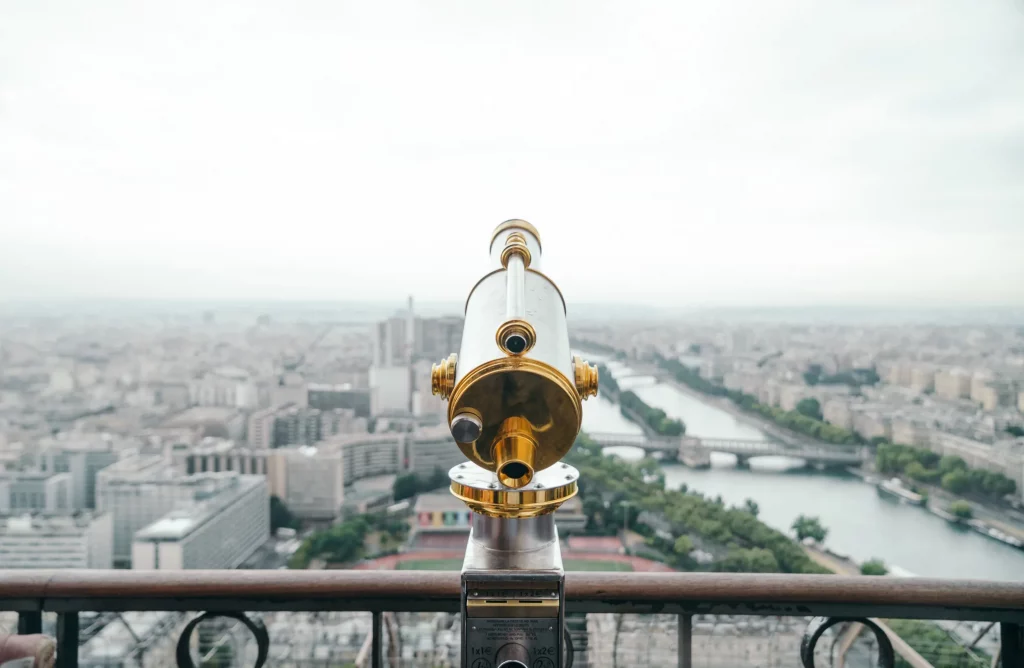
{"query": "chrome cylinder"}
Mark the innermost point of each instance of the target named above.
(513, 535)
(515, 289)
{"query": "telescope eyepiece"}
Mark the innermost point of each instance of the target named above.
(516, 343)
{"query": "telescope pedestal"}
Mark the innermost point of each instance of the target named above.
(513, 593)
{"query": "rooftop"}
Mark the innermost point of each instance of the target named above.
(438, 501)
(200, 414)
(41, 524)
(179, 523)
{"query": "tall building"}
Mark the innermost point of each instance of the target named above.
(82, 540)
(368, 455)
(390, 390)
(424, 402)
(329, 397)
(291, 424)
(229, 520)
(314, 481)
(139, 490)
(82, 459)
(399, 341)
(953, 384)
(30, 491)
(260, 432)
(390, 342)
(437, 338)
(225, 386)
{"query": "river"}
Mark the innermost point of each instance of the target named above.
(861, 523)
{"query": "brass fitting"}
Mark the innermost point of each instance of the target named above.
(442, 377)
(515, 244)
(515, 337)
(513, 452)
(586, 377)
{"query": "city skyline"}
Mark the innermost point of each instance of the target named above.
(724, 156)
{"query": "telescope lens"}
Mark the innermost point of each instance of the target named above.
(515, 470)
(515, 343)
(466, 428)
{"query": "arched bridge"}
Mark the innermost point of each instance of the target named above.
(696, 450)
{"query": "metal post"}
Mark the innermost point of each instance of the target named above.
(30, 621)
(377, 640)
(67, 640)
(1012, 641)
(685, 651)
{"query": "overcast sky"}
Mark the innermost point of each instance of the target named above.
(678, 153)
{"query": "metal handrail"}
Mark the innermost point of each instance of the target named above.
(829, 597)
(399, 591)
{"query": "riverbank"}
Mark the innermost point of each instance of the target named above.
(753, 419)
(984, 517)
(861, 523)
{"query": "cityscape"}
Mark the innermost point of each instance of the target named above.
(254, 439)
(289, 379)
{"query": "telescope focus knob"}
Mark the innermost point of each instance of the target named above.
(442, 377)
(586, 377)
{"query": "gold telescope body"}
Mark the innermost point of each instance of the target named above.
(515, 391)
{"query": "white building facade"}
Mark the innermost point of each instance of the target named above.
(229, 522)
(84, 540)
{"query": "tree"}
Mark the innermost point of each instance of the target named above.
(1015, 430)
(752, 507)
(956, 481)
(683, 546)
(438, 479)
(809, 527)
(406, 486)
(951, 463)
(809, 408)
(280, 516)
(961, 510)
(873, 567)
(753, 560)
(918, 472)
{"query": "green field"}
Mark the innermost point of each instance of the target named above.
(430, 565)
(585, 565)
(456, 564)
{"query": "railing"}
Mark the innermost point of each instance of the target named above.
(233, 593)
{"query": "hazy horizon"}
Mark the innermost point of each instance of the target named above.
(366, 311)
(682, 156)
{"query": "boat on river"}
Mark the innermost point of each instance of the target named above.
(995, 534)
(894, 488)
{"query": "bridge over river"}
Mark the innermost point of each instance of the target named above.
(696, 451)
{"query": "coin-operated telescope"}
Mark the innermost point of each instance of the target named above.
(515, 404)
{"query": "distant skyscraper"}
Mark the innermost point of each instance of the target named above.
(390, 390)
(404, 338)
